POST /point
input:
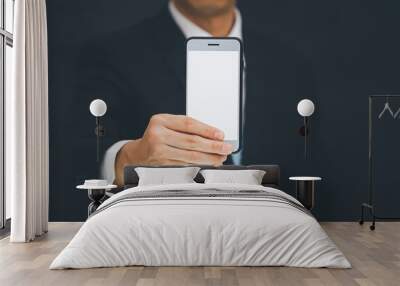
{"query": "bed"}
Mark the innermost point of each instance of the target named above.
(201, 224)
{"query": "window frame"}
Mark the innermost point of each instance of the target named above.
(6, 39)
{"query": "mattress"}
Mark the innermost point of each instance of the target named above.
(201, 225)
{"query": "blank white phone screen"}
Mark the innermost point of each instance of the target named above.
(213, 89)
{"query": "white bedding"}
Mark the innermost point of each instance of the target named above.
(185, 231)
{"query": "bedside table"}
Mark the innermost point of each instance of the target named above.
(96, 194)
(305, 189)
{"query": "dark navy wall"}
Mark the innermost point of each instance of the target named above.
(354, 47)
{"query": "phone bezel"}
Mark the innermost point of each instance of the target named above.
(221, 44)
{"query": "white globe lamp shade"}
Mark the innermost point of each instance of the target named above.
(98, 108)
(305, 107)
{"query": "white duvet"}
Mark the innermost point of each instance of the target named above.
(200, 231)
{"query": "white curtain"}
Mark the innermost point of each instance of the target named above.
(27, 124)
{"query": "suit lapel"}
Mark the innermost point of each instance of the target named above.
(171, 42)
(176, 59)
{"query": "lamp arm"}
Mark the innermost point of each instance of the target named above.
(99, 131)
(305, 136)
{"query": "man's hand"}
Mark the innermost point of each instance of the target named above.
(174, 140)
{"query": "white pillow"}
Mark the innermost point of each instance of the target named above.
(162, 176)
(248, 177)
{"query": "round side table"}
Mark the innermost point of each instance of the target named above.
(96, 195)
(305, 189)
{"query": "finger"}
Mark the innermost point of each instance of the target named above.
(190, 125)
(193, 157)
(196, 143)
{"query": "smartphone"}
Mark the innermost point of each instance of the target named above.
(214, 84)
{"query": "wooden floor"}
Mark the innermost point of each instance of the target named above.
(375, 257)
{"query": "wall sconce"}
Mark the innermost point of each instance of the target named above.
(305, 108)
(98, 108)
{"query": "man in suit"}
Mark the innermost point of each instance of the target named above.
(140, 73)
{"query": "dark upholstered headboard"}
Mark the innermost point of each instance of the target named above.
(271, 177)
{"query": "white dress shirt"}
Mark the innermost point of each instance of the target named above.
(189, 29)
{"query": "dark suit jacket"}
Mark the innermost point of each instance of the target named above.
(140, 71)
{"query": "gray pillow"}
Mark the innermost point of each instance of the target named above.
(162, 176)
(248, 177)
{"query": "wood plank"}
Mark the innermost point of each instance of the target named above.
(375, 257)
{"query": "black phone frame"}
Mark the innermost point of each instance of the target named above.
(241, 106)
